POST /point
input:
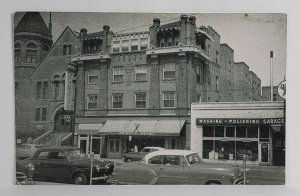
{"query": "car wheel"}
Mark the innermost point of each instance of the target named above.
(128, 160)
(80, 178)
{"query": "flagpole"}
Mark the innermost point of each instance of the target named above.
(271, 75)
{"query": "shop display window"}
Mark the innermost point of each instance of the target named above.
(230, 131)
(240, 131)
(219, 131)
(208, 146)
(225, 149)
(264, 132)
(208, 131)
(252, 132)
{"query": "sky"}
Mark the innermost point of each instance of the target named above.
(251, 36)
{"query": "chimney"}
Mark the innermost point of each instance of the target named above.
(50, 25)
(83, 32)
(106, 28)
(156, 22)
(183, 29)
(191, 31)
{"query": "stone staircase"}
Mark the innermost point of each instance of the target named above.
(51, 138)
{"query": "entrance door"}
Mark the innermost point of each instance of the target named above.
(63, 121)
(90, 143)
(278, 148)
(114, 148)
(265, 153)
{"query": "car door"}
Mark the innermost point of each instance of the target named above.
(58, 166)
(171, 170)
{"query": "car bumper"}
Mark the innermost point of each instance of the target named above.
(100, 178)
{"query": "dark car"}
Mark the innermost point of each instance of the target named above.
(175, 167)
(24, 172)
(67, 164)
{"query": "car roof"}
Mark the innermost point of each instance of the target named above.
(169, 152)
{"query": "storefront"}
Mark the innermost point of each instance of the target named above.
(226, 132)
(116, 136)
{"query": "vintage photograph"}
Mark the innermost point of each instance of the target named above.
(150, 98)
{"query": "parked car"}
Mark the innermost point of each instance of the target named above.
(68, 164)
(24, 172)
(26, 150)
(175, 167)
(135, 156)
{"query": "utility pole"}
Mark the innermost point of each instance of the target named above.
(271, 75)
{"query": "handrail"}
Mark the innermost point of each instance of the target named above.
(36, 140)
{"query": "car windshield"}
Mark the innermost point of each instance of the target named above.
(194, 159)
(75, 154)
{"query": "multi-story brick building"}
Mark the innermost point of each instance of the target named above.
(32, 40)
(134, 88)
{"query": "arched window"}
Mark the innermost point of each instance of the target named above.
(17, 52)
(31, 53)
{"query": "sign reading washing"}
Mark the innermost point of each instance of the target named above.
(239, 121)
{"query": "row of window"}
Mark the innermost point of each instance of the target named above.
(129, 45)
(169, 72)
(42, 89)
(140, 100)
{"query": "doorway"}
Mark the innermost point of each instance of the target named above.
(90, 143)
(278, 139)
(265, 153)
(62, 121)
(114, 147)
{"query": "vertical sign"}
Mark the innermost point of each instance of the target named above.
(68, 91)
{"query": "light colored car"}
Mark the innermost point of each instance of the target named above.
(136, 156)
(175, 167)
(26, 150)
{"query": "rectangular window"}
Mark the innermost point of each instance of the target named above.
(118, 74)
(264, 132)
(140, 100)
(38, 90)
(116, 46)
(169, 71)
(219, 131)
(200, 74)
(169, 42)
(230, 131)
(16, 90)
(144, 43)
(37, 114)
(31, 56)
(44, 114)
(56, 89)
(125, 45)
(252, 132)
(92, 79)
(240, 131)
(117, 100)
(169, 99)
(141, 73)
(217, 83)
(45, 90)
(134, 45)
(92, 101)
(208, 131)
(66, 50)
(162, 43)
(17, 56)
(199, 98)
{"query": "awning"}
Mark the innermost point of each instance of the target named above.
(143, 127)
(89, 128)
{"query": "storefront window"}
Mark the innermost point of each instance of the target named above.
(225, 149)
(219, 131)
(208, 146)
(240, 131)
(230, 131)
(252, 132)
(208, 131)
(264, 132)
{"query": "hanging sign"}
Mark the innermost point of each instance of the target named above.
(282, 89)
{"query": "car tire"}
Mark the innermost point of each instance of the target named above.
(129, 160)
(80, 178)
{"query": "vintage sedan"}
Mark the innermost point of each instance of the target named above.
(135, 156)
(26, 150)
(175, 167)
(67, 164)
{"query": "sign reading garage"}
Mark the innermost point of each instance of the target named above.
(239, 121)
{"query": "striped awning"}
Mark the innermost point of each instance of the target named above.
(143, 127)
